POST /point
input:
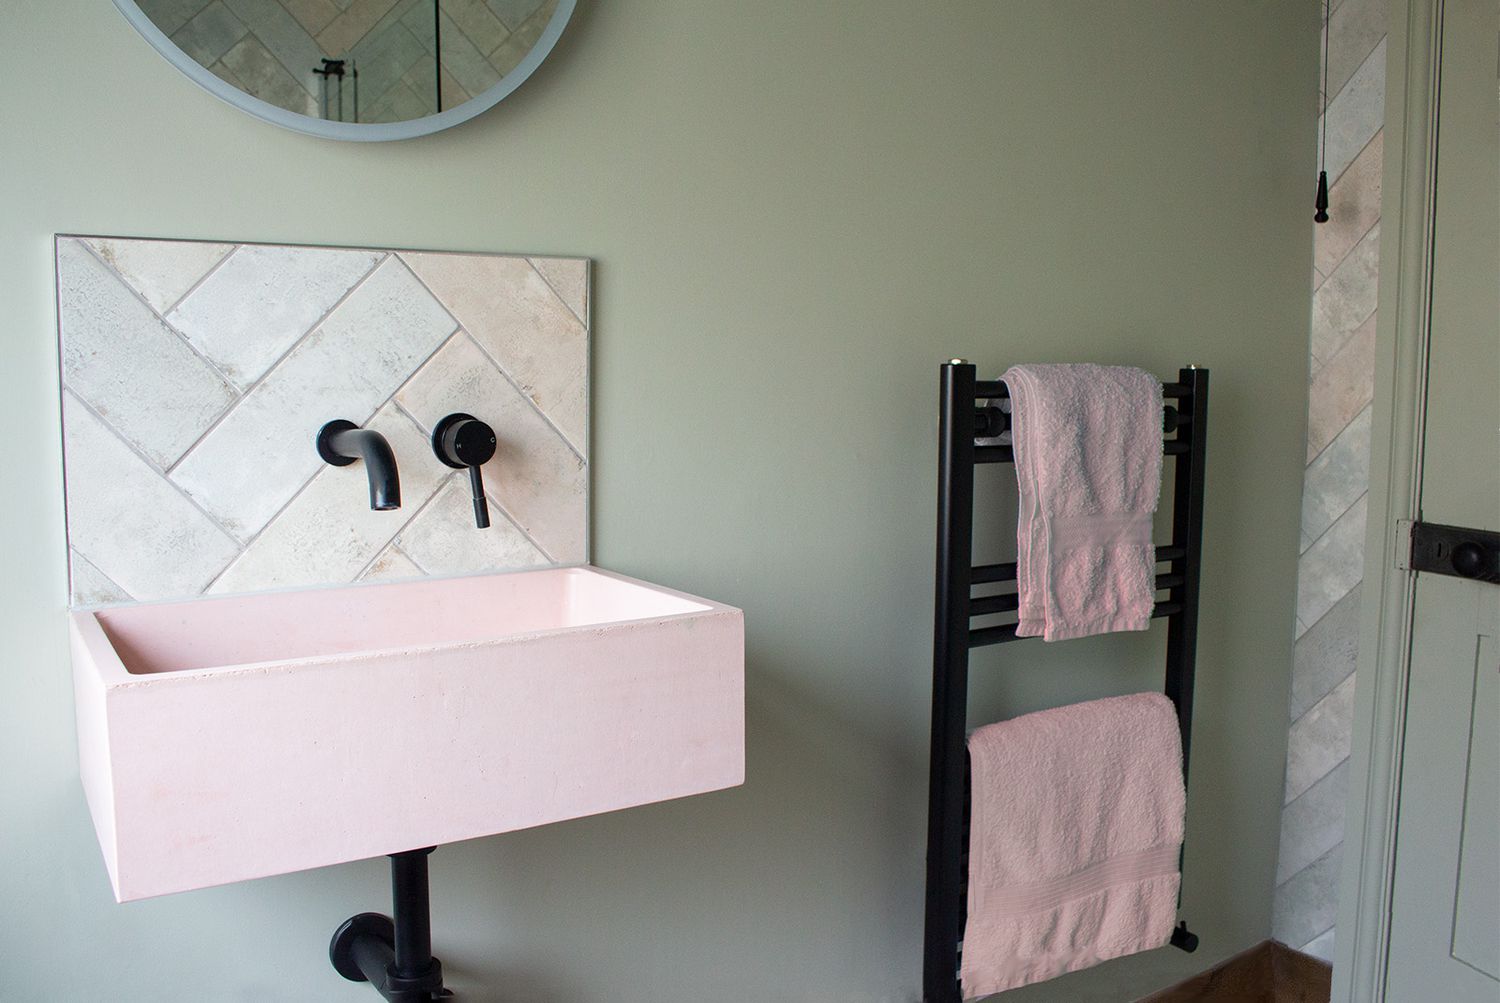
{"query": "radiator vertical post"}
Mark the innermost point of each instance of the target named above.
(946, 905)
(1187, 533)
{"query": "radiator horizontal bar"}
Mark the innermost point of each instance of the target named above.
(1004, 454)
(1005, 602)
(996, 389)
(985, 574)
(982, 636)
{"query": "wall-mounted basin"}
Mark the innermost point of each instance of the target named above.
(231, 738)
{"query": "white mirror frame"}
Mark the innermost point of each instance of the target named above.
(356, 131)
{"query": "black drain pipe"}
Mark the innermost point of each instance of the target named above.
(394, 955)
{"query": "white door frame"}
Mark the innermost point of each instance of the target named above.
(1402, 331)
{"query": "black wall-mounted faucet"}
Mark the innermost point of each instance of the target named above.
(462, 440)
(342, 442)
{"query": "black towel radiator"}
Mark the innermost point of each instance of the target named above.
(963, 421)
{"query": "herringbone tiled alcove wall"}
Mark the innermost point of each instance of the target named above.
(1341, 366)
(195, 377)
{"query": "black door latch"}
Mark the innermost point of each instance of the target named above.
(1452, 550)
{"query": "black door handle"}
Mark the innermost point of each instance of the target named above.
(1456, 551)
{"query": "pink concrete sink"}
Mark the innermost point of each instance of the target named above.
(231, 738)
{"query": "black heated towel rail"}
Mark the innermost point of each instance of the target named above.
(962, 421)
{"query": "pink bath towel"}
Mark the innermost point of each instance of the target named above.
(1088, 451)
(1075, 827)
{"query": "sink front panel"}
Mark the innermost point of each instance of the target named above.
(198, 778)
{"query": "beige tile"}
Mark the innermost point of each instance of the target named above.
(1357, 26)
(262, 75)
(1356, 113)
(514, 314)
(313, 15)
(1308, 902)
(328, 532)
(1347, 299)
(88, 586)
(1353, 207)
(1333, 565)
(260, 301)
(1339, 475)
(515, 48)
(534, 476)
(262, 453)
(128, 522)
(1319, 740)
(210, 34)
(161, 271)
(1325, 654)
(1341, 389)
(391, 566)
(569, 278)
(443, 540)
(476, 21)
(130, 367)
(169, 15)
(1313, 823)
(346, 30)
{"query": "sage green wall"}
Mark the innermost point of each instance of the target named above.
(797, 211)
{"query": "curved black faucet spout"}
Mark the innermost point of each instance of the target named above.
(342, 442)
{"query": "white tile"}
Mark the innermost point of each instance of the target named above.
(262, 300)
(87, 585)
(514, 314)
(1346, 300)
(1319, 740)
(391, 566)
(1333, 565)
(129, 522)
(161, 271)
(1313, 823)
(534, 475)
(1336, 479)
(329, 533)
(443, 540)
(1306, 904)
(569, 278)
(120, 357)
(257, 458)
(1321, 946)
(1356, 113)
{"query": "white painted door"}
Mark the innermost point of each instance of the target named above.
(1445, 907)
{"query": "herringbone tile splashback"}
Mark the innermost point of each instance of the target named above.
(196, 375)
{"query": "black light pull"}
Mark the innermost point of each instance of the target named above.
(1321, 216)
(462, 440)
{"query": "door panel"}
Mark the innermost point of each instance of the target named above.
(1444, 937)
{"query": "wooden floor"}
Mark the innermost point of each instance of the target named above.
(1267, 973)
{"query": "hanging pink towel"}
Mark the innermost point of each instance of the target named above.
(1088, 449)
(1075, 828)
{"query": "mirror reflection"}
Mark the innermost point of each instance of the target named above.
(356, 60)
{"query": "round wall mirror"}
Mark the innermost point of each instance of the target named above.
(355, 69)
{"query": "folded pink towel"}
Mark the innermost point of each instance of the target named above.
(1088, 450)
(1075, 828)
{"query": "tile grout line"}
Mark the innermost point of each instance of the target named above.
(548, 283)
(496, 362)
(151, 465)
(161, 319)
(391, 540)
(487, 492)
(1329, 445)
(275, 365)
(213, 270)
(1362, 495)
(527, 398)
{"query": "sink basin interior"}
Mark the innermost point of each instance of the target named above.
(271, 627)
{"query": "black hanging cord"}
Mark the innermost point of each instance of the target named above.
(1321, 203)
